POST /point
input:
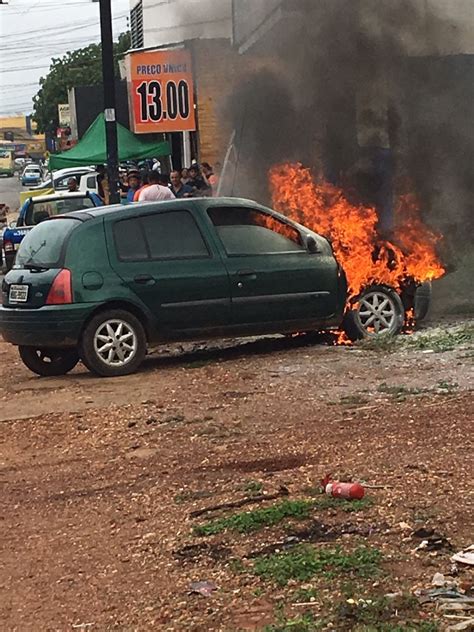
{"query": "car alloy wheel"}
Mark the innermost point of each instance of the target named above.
(377, 313)
(377, 310)
(115, 343)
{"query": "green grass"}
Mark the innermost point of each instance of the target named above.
(400, 391)
(303, 595)
(253, 487)
(304, 623)
(305, 562)
(441, 341)
(353, 400)
(348, 506)
(377, 614)
(248, 521)
(409, 626)
(322, 501)
(384, 342)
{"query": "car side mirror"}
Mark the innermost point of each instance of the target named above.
(311, 245)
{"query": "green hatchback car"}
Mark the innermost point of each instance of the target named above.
(102, 284)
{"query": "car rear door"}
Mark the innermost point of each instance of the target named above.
(166, 260)
(273, 276)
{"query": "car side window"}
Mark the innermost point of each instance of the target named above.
(130, 240)
(173, 235)
(246, 231)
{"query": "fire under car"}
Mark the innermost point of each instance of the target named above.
(102, 284)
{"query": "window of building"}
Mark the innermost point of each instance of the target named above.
(136, 25)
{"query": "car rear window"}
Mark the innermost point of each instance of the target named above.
(44, 245)
(39, 211)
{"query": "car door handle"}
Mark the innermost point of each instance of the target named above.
(144, 279)
(247, 273)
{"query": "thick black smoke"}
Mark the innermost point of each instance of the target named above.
(349, 80)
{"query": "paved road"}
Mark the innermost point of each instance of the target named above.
(10, 189)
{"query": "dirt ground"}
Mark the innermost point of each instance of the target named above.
(99, 477)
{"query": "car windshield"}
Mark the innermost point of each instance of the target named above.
(38, 211)
(43, 246)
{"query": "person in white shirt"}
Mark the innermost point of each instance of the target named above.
(156, 191)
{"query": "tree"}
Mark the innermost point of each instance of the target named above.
(79, 67)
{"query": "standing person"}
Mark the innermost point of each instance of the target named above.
(199, 186)
(179, 189)
(72, 185)
(134, 183)
(211, 177)
(156, 165)
(185, 178)
(100, 181)
(155, 191)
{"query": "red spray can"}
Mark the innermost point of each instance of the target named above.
(348, 491)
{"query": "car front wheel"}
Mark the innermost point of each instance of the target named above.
(113, 343)
(49, 362)
(378, 310)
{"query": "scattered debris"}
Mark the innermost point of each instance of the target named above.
(192, 551)
(430, 540)
(347, 491)
(283, 491)
(465, 624)
(204, 588)
(465, 557)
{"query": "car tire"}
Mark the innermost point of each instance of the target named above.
(49, 362)
(422, 301)
(379, 310)
(113, 343)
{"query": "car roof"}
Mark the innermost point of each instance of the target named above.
(58, 196)
(126, 210)
(68, 170)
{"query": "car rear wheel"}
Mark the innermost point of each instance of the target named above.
(378, 310)
(113, 343)
(49, 362)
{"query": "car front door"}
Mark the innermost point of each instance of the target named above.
(273, 276)
(168, 263)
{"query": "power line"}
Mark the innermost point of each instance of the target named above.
(59, 29)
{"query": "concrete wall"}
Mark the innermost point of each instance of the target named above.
(170, 21)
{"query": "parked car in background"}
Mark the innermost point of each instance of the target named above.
(7, 164)
(60, 178)
(88, 182)
(39, 208)
(31, 175)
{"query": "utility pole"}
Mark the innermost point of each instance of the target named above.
(108, 75)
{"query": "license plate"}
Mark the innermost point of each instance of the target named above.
(18, 294)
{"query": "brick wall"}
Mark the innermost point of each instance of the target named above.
(218, 69)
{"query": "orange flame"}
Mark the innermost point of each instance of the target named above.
(352, 229)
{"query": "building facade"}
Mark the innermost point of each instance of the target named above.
(165, 22)
(204, 27)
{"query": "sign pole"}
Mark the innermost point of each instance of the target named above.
(108, 74)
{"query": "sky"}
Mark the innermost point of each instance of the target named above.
(34, 31)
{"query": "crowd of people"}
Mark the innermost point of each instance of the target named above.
(154, 186)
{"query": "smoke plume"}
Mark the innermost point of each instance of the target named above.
(348, 81)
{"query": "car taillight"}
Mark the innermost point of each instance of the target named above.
(8, 246)
(60, 292)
